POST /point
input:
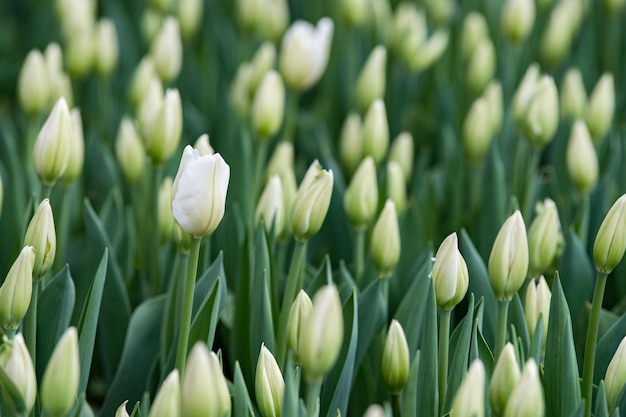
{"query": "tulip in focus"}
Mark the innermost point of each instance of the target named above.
(41, 235)
(60, 380)
(469, 400)
(17, 366)
(312, 202)
(269, 385)
(51, 153)
(538, 296)
(168, 398)
(449, 274)
(298, 315)
(526, 399)
(385, 244)
(545, 240)
(16, 290)
(610, 243)
(504, 379)
(395, 364)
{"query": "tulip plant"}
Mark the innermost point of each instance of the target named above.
(266, 208)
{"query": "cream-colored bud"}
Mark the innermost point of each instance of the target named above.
(80, 52)
(599, 114)
(17, 365)
(506, 375)
(268, 106)
(51, 152)
(374, 410)
(538, 296)
(370, 84)
(518, 18)
(151, 103)
(271, 207)
(361, 197)
(53, 56)
(545, 240)
(615, 378)
(481, 66)
(272, 26)
(248, 13)
(76, 150)
(239, 93)
(203, 146)
(396, 186)
(355, 11)
(542, 115)
(282, 160)
(298, 315)
(41, 235)
(16, 290)
(559, 31)
(75, 15)
(190, 16)
(167, 402)
(376, 131)
(262, 62)
(581, 159)
(33, 86)
(312, 202)
(408, 29)
(166, 220)
(142, 78)
(163, 6)
(610, 243)
(469, 400)
(351, 143)
(167, 50)
(474, 29)
(129, 151)
(477, 131)
(573, 95)
(163, 132)
(508, 262)
(441, 11)
(493, 96)
(121, 410)
(385, 244)
(525, 92)
(428, 52)
(526, 399)
(107, 47)
(269, 385)
(60, 380)
(395, 364)
(449, 274)
(402, 152)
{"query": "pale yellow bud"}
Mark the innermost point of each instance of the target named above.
(395, 364)
(469, 400)
(41, 235)
(599, 114)
(298, 315)
(477, 131)
(615, 378)
(51, 153)
(166, 220)
(559, 32)
(60, 380)
(505, 378)
(385, 244)
(542, 115)
(269, 385)
(33, 86)
(376, 131)
(16, 290)
(474, 29)
(271, 207)
(203, 146)
(164, 130)
(361, 197)
(610, 243)
(190, 16)
(525, 92)
(351, 143)
(167, 50)
(408, 30)
(80, 52)
(312, 202)
(107, 48)
(76, 150)
(142, 77)
(396, 185)
(268, 106)
(167, 402)
(581, 159)
(481, 66)
(545, 240)
(449, 274)
(402, 152)
(526, 399)
(573, 95)
(17, 365)
(518, 17)
(538, 296)
(370, 84)
(493, 96)
(129, 151)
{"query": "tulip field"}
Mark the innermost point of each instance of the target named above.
(286, 208)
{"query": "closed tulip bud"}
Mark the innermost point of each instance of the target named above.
(162, 5)
(166, 220)
(269, 385)
(51, 152)
(441, 11)
(189, 16)
(493, 96)
(273, 25)
(80, 52)
(505, 378)
(396, 185)
(402, 152)
(526, 399)
(248, 13)
(370, 85)
(75, 15)
(581, 158)
(151, 21)
(167, 401)
(354, 11)
(41, 235)
(481, 66)
(449, 274)
(268, 106)
(469, 400)
(351, 143)
(199, 192)
(298, 315)
(60, 380)
(408, 29)
(53, 55)
(474, 29)
(312, 202)
(262, 62)
(385, 244)
(150, 105)
(545, 240)
(477, 131)
(77, 150)
(271, 207)
(129, 151)
(538, 296)
(610, 243)
(167, 50)
(142, 77)
(508, 262)
(33, 87)
(17, 365)
(374, 410)
(107, 48)
(121, 410)
(63, 89)
(204, 389)
(16, 290)
(542, 115)
(518, 17)
(239, 93)
(376, 131)
(615, 378)
(525, 92)
(559, 32)
(322, 334)
(395, 365)
(203, 146)
(361, 197)
(573, 95)
(427, 53)
(163, 133)
(304, 53)
(601, 107)
(282, 160)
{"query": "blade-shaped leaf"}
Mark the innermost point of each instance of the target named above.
(373, 311)
(427, 391)
(242, 406)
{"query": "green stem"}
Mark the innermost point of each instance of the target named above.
(359, 256)
(444, 341)
(582, 222)
(501, 324)
(291, 116)
(395, 405)
(30, 323)
(531, 182)
(592, 336)
(185, 325)
(313, 390)
(44, 192)
(152, 234)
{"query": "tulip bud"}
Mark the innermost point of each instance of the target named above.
(610, 243)
(469, 400)
(542, 115)
(525, 92)
(167, 402)
(41, 235)
(374, 410)
(150, 105)
(142, 78)
(537, 304)
(167, 50)
(268, 106)
(351, 143)
(545, 240)
(166, 220)
(312, 202)
(429, 51)
(163, 133)
(615, 378)
(505, 378)
(76, 150)
(396, 185)
(322, 334)
(408, 30)
(441, 11)
(395, 365)
(162, 5)
(269, 385)
(239, 93)
(107, 49)
(298, 315)
(354, 11)
(361, 197)
(508, 262)
(16, 290)
(248, 13)
(376, 132)
(204, 389)
(199, 192)
(60, 380)
(281, 160)
(601, 107)
(473, 31)
(481, 66)
(493, 96)
(370, 85)
(33, 87)
(573, 95)
(477, 131)
(271, 207)
(581, 158)
(449, 274)
(385, 244)
(190, 16)
(203, 146)
(53, 56)
(51, 152)
(262, 62)
(17, 365)
(526, 399)
(559, 31)
(402, 152)
(80, 51)
(121, 410)
(518, 17)
(129, 151)
(273, 25)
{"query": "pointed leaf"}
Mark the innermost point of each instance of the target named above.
(409, 401)
(427, 391)
(242, 406)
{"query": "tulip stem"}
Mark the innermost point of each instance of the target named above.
(30, 323)
(359, 255)
(44, 192)
(501, 324)
(592, 336)
(395, 405)
(153, 232)
(313, 390)
(291, 116)
(444, 341)
(185, 325)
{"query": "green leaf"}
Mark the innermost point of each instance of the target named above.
(292, 388)
(480, 349)
(607, 345)
(427, 391)
(602, 409)
(536, 343)
(241, 326)
(409, 401)
(579, 411)
(242, 406)
(205, 322)
(373, 311)
(517, 319)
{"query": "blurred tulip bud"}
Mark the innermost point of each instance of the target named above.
(379, 18)
(167, 402)
(182, 240)
(121, 410)
(41, 235)
(53, 55)
(545, 240)
(408, 30)
(526, 399)
(76, 150)
(402, 152)
(16, 290)
(395, 365)
(493, 96)
(469, 400)
(441, 11)
(107, 49)
(199, 192)
(239, 93)
(304, 53)
(167, 50)
(525, 92)
(385, 244)
(269, 385)
(601, 107)
(60, 380)
(610, 243)
(355, 12)
(142, 78)
(322, 334)
(33, 86)
(150, 105)
(508, 262)
(75, 16)
(518, 18)
(271, 207)
(281, 164)
(262, 62)
(298, 315)
(474, 29)
(374, 410)
(163, 6)
(312, 202)
(248, 13)
(80, 52)
(203, 146)
(17, 366)
(505, 378)
(615, 378)
(361, 197)
(51, 153)
(151, 21)
(272, 26)
(396, 186)
(166, 219)
(449, 274)
(581, 158)
(429, 51)
(573, 95)
(351, 143)
(538, 296)
(129, 151)
(282, 160)
(268, 106)
(477, 131)
(190, 15)
(164, 129)
(376, 131)
(542, 115)
(481, 66)
(559, 31)
(370, 84)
